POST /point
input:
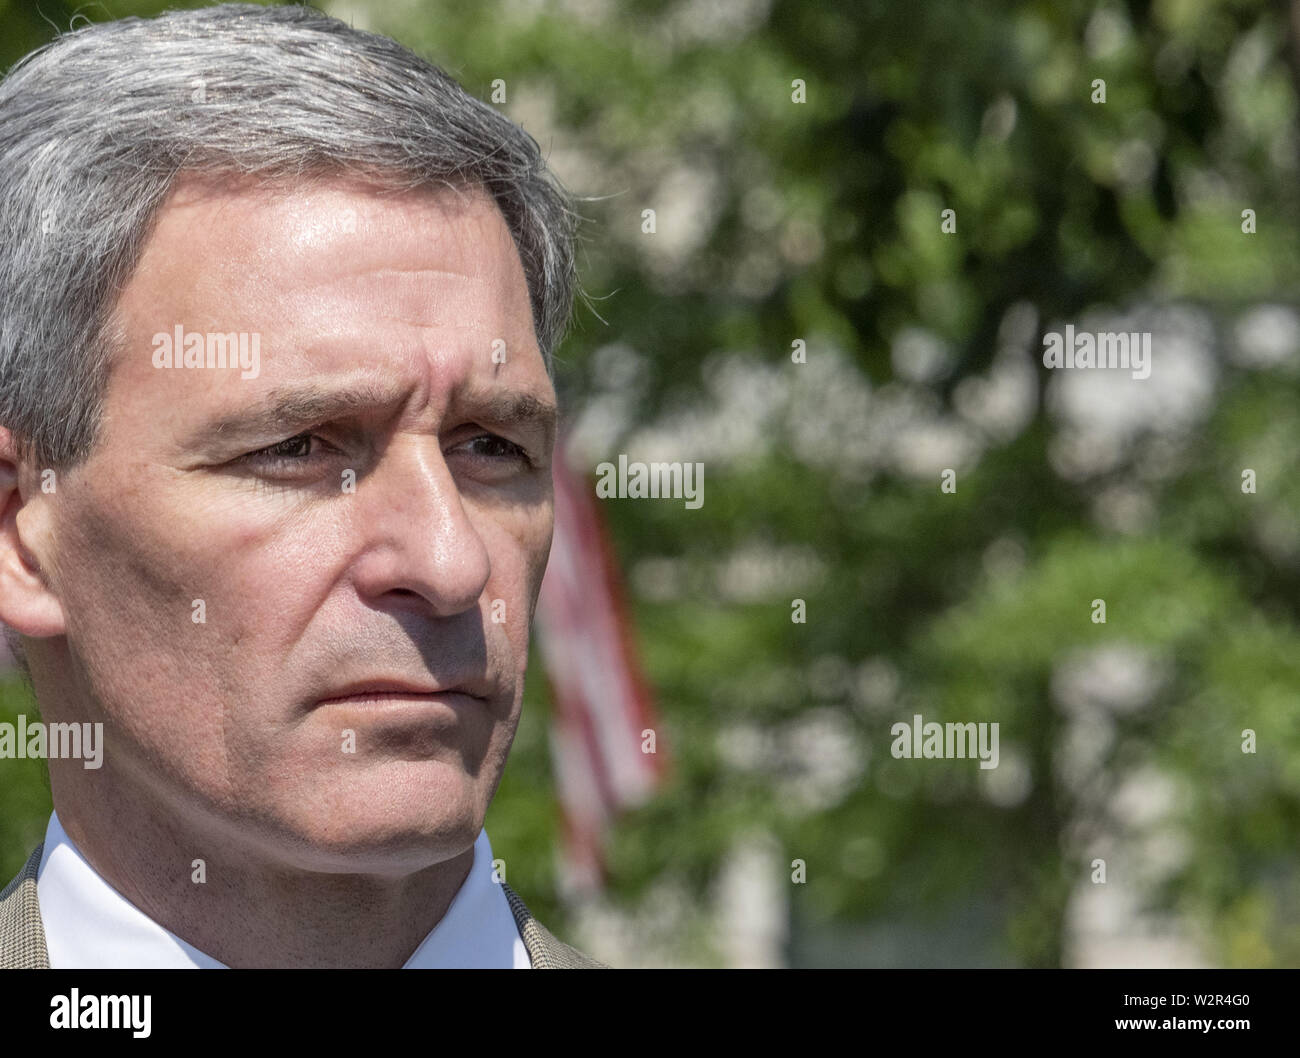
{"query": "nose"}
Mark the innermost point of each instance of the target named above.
(418, 539)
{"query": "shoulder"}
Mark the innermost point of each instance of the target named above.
(22, 938)
(545, 951)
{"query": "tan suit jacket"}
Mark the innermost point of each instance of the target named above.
(22, 937)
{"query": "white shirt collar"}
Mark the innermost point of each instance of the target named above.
(90, 925)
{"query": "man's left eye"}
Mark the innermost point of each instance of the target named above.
(493, 447)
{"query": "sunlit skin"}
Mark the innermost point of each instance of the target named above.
(377, 315)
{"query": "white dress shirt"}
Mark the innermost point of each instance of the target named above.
(90, 925)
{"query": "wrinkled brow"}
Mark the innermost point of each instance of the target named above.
(293, 408)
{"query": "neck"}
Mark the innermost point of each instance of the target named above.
(253, 908)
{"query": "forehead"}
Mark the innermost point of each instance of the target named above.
(218, 237)
(333, 276)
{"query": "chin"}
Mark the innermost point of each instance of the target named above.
(384, 823)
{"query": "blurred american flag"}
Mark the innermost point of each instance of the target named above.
(602, 704)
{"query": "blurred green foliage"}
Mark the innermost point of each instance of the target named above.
(820, 221)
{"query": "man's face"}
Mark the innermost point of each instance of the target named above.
(362, 527)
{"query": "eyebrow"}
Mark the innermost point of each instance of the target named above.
(509, 408)
(293, 407)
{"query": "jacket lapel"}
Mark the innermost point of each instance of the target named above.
(544, 950)
(22, 937)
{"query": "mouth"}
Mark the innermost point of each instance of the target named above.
(382, 692)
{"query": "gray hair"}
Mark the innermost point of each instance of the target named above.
(97, 125)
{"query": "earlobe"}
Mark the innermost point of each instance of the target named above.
(28, 602)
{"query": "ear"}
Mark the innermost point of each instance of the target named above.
(28, 603)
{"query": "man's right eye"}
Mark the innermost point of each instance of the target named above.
(291, 448)
(290, 454)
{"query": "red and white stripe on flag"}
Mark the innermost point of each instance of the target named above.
(602, 705)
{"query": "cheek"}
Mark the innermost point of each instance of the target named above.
(518, 546)
(121, 573)
(146, 668)
(203, 590)
(526, 532)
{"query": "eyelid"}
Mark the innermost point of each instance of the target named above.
(323, 447)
